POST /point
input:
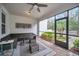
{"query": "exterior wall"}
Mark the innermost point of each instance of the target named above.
(7, 28)
(43, 25)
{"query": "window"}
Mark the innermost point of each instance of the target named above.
(3, 23)
(73, 26)
(50, 23)
(66, 26)
(46, 25)
(42, 26)
(62, 15)
(74, 21)
(22, 25)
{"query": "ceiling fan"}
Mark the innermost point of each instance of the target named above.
(36, 4)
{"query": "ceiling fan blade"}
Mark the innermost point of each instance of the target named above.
(38, 9)
(30, 3)
(31, 8)
(42, 5)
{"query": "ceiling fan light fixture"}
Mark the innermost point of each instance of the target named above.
(28, 13)
(37, 5)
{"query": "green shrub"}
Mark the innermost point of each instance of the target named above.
(49, 32)
(48, 35)
(45, 34)
(76, 43)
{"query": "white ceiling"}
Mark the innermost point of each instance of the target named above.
(52, 9)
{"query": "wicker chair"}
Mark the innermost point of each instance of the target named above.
(33, 46)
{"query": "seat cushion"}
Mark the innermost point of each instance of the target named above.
(33, 47)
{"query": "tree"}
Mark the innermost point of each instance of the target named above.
(74, 20)
(50, 24)
(61, 25)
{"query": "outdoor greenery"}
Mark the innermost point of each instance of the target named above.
(50, 23)
(61, 38)
(74, 25)
(76, 43)
(74, 20)
(48, 36)
(61, 26)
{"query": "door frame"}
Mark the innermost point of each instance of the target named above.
(59, 43)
